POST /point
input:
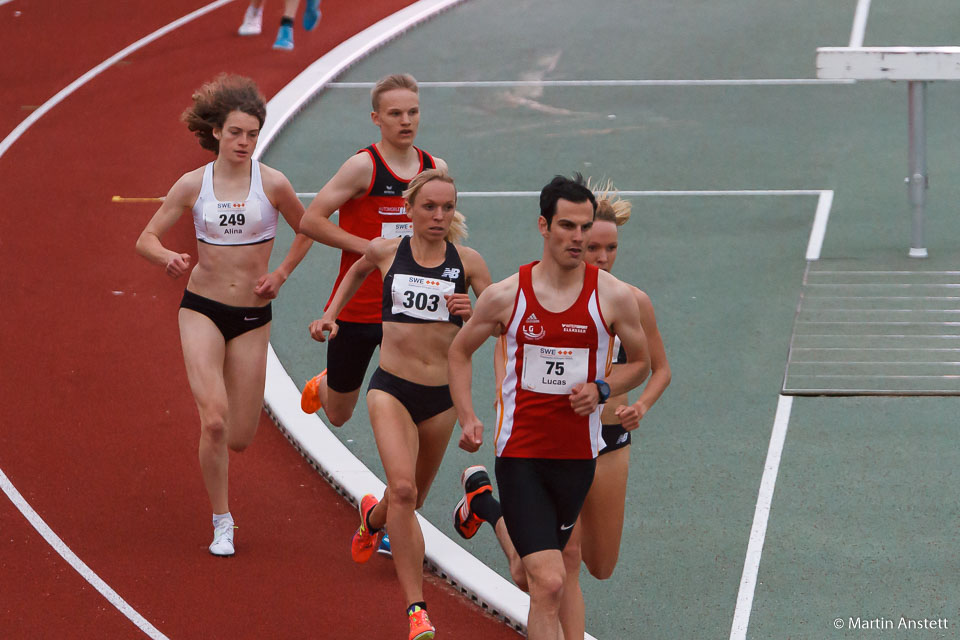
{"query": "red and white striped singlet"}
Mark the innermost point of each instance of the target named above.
(546, 354)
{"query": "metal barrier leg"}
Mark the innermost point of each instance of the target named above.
(917, 181)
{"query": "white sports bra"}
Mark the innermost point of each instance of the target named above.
(234, 223)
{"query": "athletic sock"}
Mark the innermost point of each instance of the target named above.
(286, 22)
(366, 521)
(416, 606)
(486, 507)
(221, 517)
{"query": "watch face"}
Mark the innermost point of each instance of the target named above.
(604, 390)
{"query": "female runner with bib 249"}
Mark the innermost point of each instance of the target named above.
(424, 304)
(225, 312)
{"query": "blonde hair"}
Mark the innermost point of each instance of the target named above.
(457, 232)
(391, 82)
(610, 207)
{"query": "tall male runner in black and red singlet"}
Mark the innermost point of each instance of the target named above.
(367, 190)
(559, 317)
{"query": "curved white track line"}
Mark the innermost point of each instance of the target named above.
(74, 561)
(14, 135)
(11, 491)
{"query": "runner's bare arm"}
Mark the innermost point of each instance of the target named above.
(660, 375)
(179, 200)
(492, 311)
(379, 254)
(350, 181)
(281, 194)
(626, 323)
(478, 278)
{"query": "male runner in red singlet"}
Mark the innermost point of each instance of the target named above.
(559, 317)
(367, 190)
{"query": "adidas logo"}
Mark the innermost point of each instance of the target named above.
(532, 318)
(451, 273)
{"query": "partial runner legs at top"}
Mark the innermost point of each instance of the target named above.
(252, 24)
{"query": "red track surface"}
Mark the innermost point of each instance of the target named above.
(99, 431)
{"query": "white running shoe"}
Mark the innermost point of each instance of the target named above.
(222, 544)
(252, 22)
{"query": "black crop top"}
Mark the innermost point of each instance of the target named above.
(414, 293)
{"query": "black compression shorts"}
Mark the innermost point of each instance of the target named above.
(349, 353)
(541, 499)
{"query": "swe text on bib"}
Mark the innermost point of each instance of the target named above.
(396, 229)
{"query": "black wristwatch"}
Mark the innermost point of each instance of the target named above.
(604, 389)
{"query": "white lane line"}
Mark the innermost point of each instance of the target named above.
(627, 193)
(79, 565)
(819, 230)
(318, 75)
(716, 82)
(19, 130)
(859, 29)
(751, 565)
(52, 539)
(3, 2)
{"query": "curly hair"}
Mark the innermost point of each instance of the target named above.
(215, 100)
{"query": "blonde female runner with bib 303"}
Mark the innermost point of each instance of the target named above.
(424, 304)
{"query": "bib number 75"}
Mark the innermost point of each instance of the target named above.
(554, 368)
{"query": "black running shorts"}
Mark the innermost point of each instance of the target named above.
(349, 353)
(615, 437)
(420, 401)
(541, 499)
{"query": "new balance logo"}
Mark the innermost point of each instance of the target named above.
(451, 273)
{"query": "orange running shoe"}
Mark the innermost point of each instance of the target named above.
(364, 541)
(475, 481)
(420, 627)
(310, 398)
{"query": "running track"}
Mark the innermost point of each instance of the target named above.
(99, 431)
